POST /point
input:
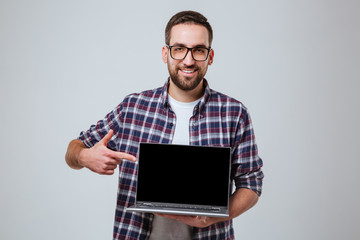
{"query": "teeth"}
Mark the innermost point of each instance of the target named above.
(187, 71)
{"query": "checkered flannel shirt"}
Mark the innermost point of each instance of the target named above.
(217, 120)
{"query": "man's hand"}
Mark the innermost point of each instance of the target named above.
(194, 221)
(98, 158)
(240, 201)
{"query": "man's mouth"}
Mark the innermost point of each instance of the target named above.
(188, 71)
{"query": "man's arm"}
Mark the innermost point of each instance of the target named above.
(241, 201)
(98, 158)
(73, 152)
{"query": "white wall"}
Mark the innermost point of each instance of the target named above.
(294, 64)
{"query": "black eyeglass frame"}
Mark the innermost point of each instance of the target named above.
(189, 49)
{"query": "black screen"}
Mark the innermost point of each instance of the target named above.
(183, 174)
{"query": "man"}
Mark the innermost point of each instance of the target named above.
(184, 111)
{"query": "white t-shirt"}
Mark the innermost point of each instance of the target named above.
(183, 112)
(165, 228)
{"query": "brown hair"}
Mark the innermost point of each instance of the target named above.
(187, 17)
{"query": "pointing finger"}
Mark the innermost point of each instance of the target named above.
(119, 156)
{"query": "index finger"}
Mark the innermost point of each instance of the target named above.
(120, 156)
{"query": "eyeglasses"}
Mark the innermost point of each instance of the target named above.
(199, 54)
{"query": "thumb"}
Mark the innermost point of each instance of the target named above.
(107, 137)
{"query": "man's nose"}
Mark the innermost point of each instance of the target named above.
(189, 60)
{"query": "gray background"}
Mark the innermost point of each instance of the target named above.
(294, 64)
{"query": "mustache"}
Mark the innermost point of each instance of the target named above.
(190, 67)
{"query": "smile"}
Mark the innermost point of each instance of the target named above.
(188, 71)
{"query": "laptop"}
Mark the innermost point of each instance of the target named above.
(183, 179)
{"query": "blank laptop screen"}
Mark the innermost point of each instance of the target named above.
(183, 174)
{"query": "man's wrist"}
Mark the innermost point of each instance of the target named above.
(81, 157)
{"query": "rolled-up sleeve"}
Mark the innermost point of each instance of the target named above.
(96, 132)
(246, 163)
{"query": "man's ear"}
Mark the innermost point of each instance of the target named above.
(164, 53)
(211, 56)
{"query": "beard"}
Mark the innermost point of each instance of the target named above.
(186, 83)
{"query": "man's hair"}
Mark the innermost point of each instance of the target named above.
(187, 17)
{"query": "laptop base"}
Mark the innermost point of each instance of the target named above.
(179, 209)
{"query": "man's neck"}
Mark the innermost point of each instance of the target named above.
(186, 96)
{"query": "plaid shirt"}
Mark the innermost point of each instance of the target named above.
(217, 120)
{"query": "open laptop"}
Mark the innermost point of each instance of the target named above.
(182, 179)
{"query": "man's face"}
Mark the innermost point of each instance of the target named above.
(186, 74)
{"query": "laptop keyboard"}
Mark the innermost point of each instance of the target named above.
(194, 208)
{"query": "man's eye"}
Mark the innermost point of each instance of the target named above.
(178, 49)
(200, 50)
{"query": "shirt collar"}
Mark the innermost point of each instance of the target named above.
(200, 105)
